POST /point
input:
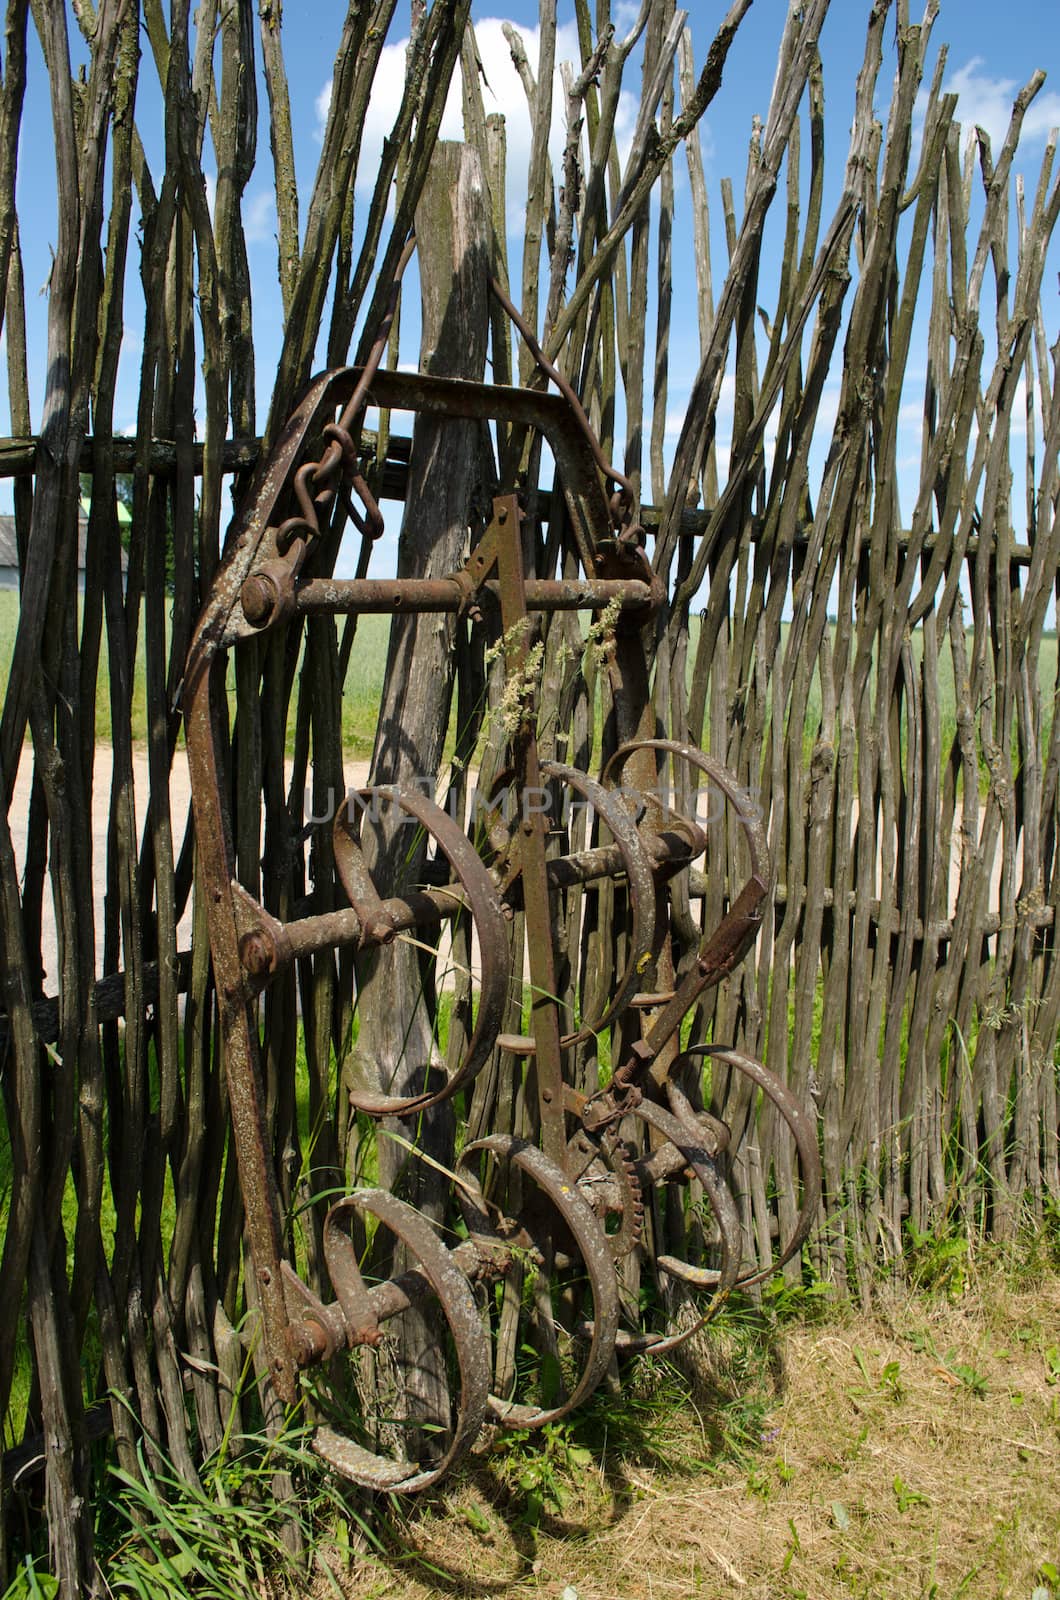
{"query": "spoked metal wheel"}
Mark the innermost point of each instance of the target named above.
(414, 1423)
(547, 1358)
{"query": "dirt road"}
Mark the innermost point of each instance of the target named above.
(180, 805)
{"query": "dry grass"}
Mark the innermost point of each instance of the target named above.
(912, 1452)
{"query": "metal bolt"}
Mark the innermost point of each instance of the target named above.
(256, 952)
(258, 597)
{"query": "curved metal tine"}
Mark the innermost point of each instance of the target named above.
(453, 1293)
(724, 1207)
(353, 872)
(747, 812)
(490, 927)
(702, 1123)
(627, 492)
(722, 949)
(592, 1243)
(609, 808)
(340, 1253)
(803, 1131)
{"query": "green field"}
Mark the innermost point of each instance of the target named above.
(362, 690)
(361, 696)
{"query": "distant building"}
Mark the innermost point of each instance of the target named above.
(9, 548)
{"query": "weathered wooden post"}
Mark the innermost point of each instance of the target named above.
(397, 1045)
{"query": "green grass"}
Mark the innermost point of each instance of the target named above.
(361, 693)
(9, 607)
(363, 688)
(14, 1421)
(365, 676)
(823, 1451)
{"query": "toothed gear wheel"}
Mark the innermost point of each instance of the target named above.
(605, 1171)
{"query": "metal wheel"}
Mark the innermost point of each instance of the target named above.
(363, 1321)
(801, 1126)
(557, 1248)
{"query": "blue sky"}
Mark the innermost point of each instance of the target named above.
(987, 63)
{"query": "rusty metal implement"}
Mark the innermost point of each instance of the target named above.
(545, 1230)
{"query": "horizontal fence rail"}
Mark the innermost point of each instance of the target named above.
(17, 458)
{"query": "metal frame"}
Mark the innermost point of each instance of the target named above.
(261, 586)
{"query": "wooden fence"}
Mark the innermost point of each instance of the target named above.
(907, 984)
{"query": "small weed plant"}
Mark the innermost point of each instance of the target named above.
(236, 1530)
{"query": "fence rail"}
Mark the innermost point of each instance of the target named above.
(18, 457)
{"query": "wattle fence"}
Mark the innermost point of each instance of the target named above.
(862, 628)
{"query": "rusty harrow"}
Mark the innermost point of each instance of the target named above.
(547, 1233)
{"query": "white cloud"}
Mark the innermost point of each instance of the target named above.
(1018, 424)
(626, 13)
(675, 421)
(706, 141)
(401, 422)
(828, 410)
(322, 105)
(259, 218)
(986, 102)
(677, 410)
(502, 91)
(259, 211)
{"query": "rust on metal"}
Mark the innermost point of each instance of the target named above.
(456, 1302)
(591, 1241)
(394, 596)
(640, 881)
(576, 1191)
(482, 899)
(691, 1145)
(802, 1130)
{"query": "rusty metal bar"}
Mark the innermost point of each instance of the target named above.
(239, 1035)
(267, 946)
(315, 1337)
(390, 595)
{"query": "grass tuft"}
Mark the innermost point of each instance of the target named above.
(913, 1450)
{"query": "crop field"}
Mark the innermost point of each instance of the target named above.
(367, 669)
(364, 680)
